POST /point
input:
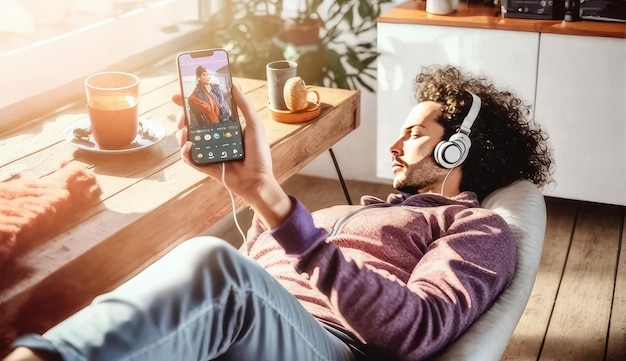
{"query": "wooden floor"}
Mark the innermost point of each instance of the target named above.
(577, 311)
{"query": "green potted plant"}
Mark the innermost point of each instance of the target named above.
(343, 54)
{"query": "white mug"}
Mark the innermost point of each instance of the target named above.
(277, 74)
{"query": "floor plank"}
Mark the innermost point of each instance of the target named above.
(616, 348)
(527, 340)
(579, 323)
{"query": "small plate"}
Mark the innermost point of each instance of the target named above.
(155, 131)
(286, 116)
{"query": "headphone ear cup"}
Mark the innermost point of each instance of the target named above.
(447, 154)
(463, 143)
(452, 153)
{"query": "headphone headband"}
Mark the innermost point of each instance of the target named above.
(471, 116)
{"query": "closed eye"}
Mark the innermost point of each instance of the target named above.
(415, 131)
(416, 135)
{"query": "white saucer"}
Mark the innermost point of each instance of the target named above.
(155, 130)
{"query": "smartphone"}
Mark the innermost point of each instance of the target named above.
(211, 114)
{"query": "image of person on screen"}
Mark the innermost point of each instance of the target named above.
(207, 103)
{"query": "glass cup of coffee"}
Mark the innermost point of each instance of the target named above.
(112, 99)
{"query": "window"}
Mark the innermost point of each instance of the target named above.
(47, 48)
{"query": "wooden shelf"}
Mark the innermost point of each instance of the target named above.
(484, 17)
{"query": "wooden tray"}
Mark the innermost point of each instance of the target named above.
(285, 116)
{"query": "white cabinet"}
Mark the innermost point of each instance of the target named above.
(574, 84)
(581, 101)
(507, 57)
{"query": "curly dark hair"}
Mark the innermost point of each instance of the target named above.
(506, 145)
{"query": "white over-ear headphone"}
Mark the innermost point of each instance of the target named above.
(452, 152)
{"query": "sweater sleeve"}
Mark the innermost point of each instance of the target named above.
(297, 234)
(458, 278)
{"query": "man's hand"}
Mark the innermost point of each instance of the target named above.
(251, 178)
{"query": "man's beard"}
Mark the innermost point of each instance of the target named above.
(418, 176)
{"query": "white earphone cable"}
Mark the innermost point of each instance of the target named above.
(232, 201)
(445, 179)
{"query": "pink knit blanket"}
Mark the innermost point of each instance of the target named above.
(30, 207)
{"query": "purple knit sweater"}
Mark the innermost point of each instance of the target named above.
(406, 276)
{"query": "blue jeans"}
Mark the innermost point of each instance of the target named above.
(202, 301)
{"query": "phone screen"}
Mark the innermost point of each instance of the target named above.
(212, 119)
